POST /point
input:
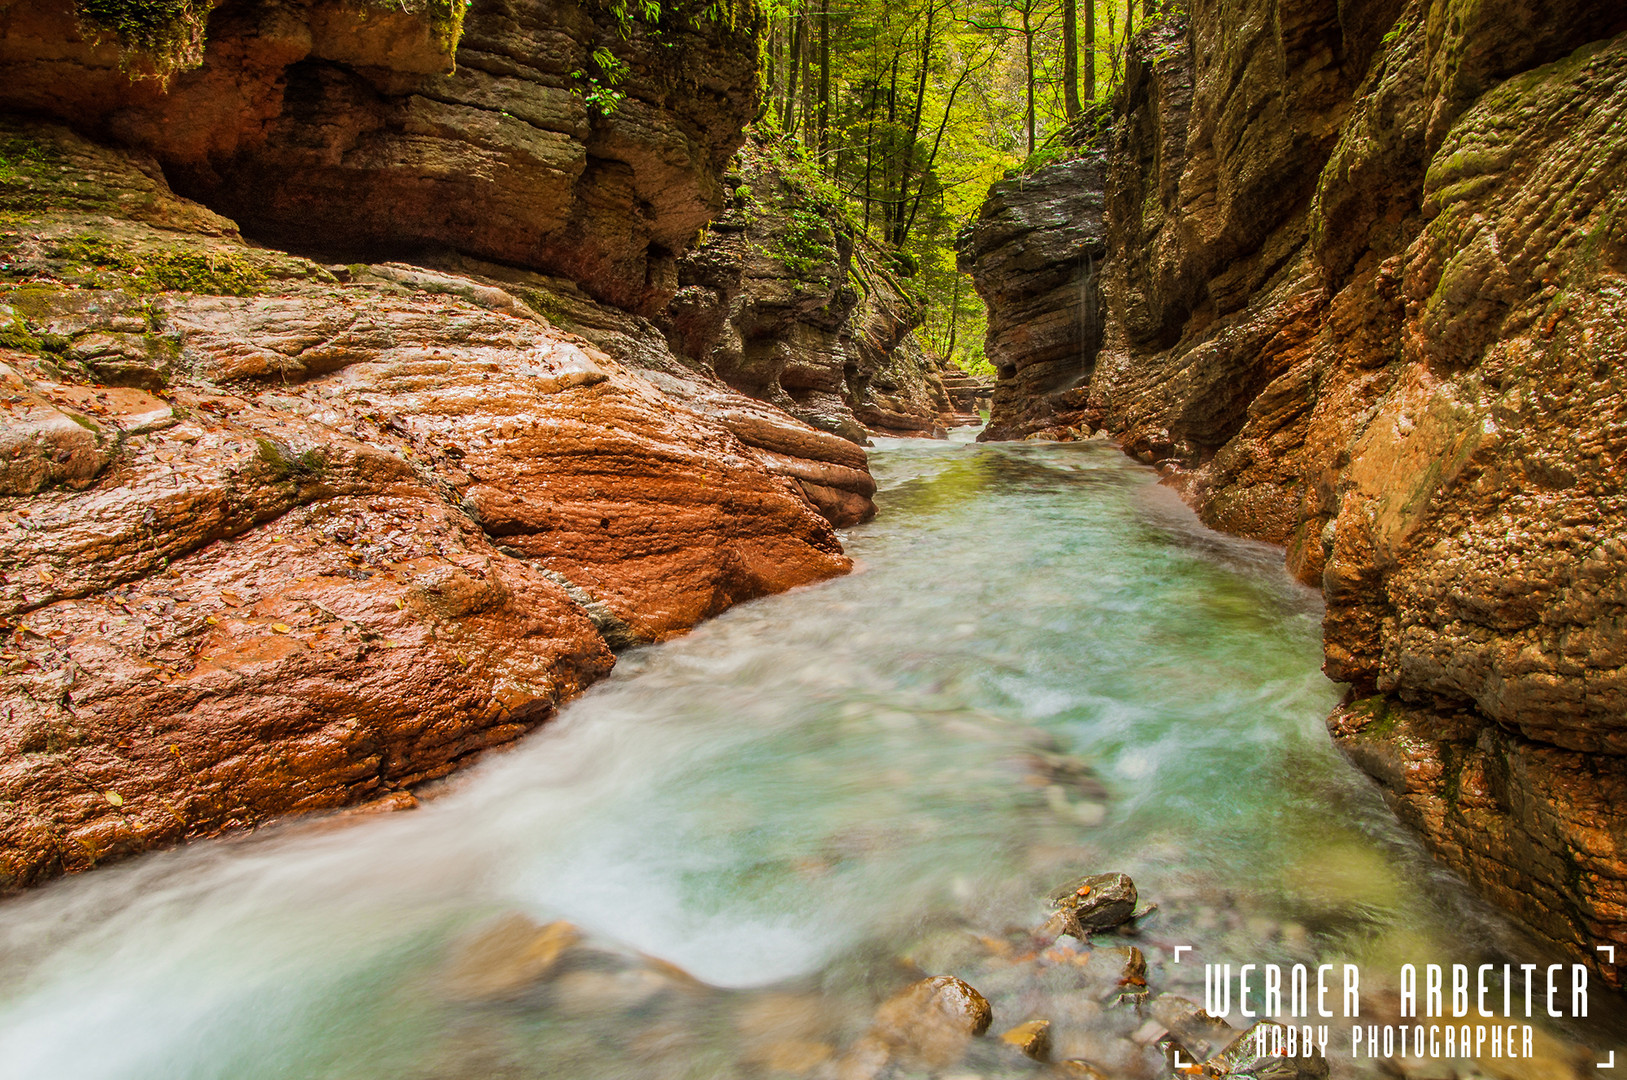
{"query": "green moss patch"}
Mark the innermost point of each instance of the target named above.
(169, 268)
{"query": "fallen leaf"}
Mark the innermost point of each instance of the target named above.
(113, 797)
(231, 598)
(280, 628)
(45, 575)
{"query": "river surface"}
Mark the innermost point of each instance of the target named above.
(1043, 667)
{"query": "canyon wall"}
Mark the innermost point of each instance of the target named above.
(285, 534)
(786, 302)
(346, 128)
(1034, 253)
(1365, 298)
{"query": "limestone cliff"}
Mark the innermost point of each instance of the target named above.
(1364, 298)
(784, 302)
(345, 128)
(275, 541)
(283, 535)
(1034, 253)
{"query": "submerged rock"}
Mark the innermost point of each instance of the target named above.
(1032, 1038)
(929, 1022)
(508, 958)
(1200, 1034)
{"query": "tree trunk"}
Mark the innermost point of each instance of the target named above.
(824, 85)
(1028, 54)
(889, 209)
(908, 149)
(788, 115)
(1070, 58)
(810, 122)
(1090, 51)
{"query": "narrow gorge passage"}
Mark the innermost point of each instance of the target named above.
(1044, 666)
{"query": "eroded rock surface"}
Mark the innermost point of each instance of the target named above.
(783, 303)
(1034, 253)
(346, 127)
(1365, 299)
(273, 542)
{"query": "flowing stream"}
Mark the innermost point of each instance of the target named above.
(1044, 667)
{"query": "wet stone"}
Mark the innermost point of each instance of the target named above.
(1108, 974)
(1242, 1058)
(1095, 903)
(930, 1021)
(1203, 1035)
(508, 958)
(1033, 1038)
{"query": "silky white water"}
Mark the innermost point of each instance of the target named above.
(806, 794)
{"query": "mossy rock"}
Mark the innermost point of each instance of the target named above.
(168, 36)
(169, 268)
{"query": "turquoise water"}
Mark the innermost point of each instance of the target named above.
(1044, 666)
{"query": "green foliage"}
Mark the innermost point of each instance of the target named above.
(445, 21)
(807, 246)
(597, 86)
(168, 33)
(171, 268)
(926, 103)
(17, 334)
(32, 179)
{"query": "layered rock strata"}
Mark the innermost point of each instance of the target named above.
(275, 541)
(830, 469)
(783, 303)
(1034, 253)
(347, 127)
(1366, 299)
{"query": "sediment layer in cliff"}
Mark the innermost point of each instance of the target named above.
(1034, 253)
(1365, 296)
(785, 302)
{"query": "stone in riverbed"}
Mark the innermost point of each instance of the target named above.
(1094, 903)
(1114, 974)
(1194, 1029)
(1033, 1038)
(1242, 1059)
(930, 1022)
(1075, 1069)
(507, 958)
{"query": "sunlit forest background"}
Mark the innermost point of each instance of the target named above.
(903, 112)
